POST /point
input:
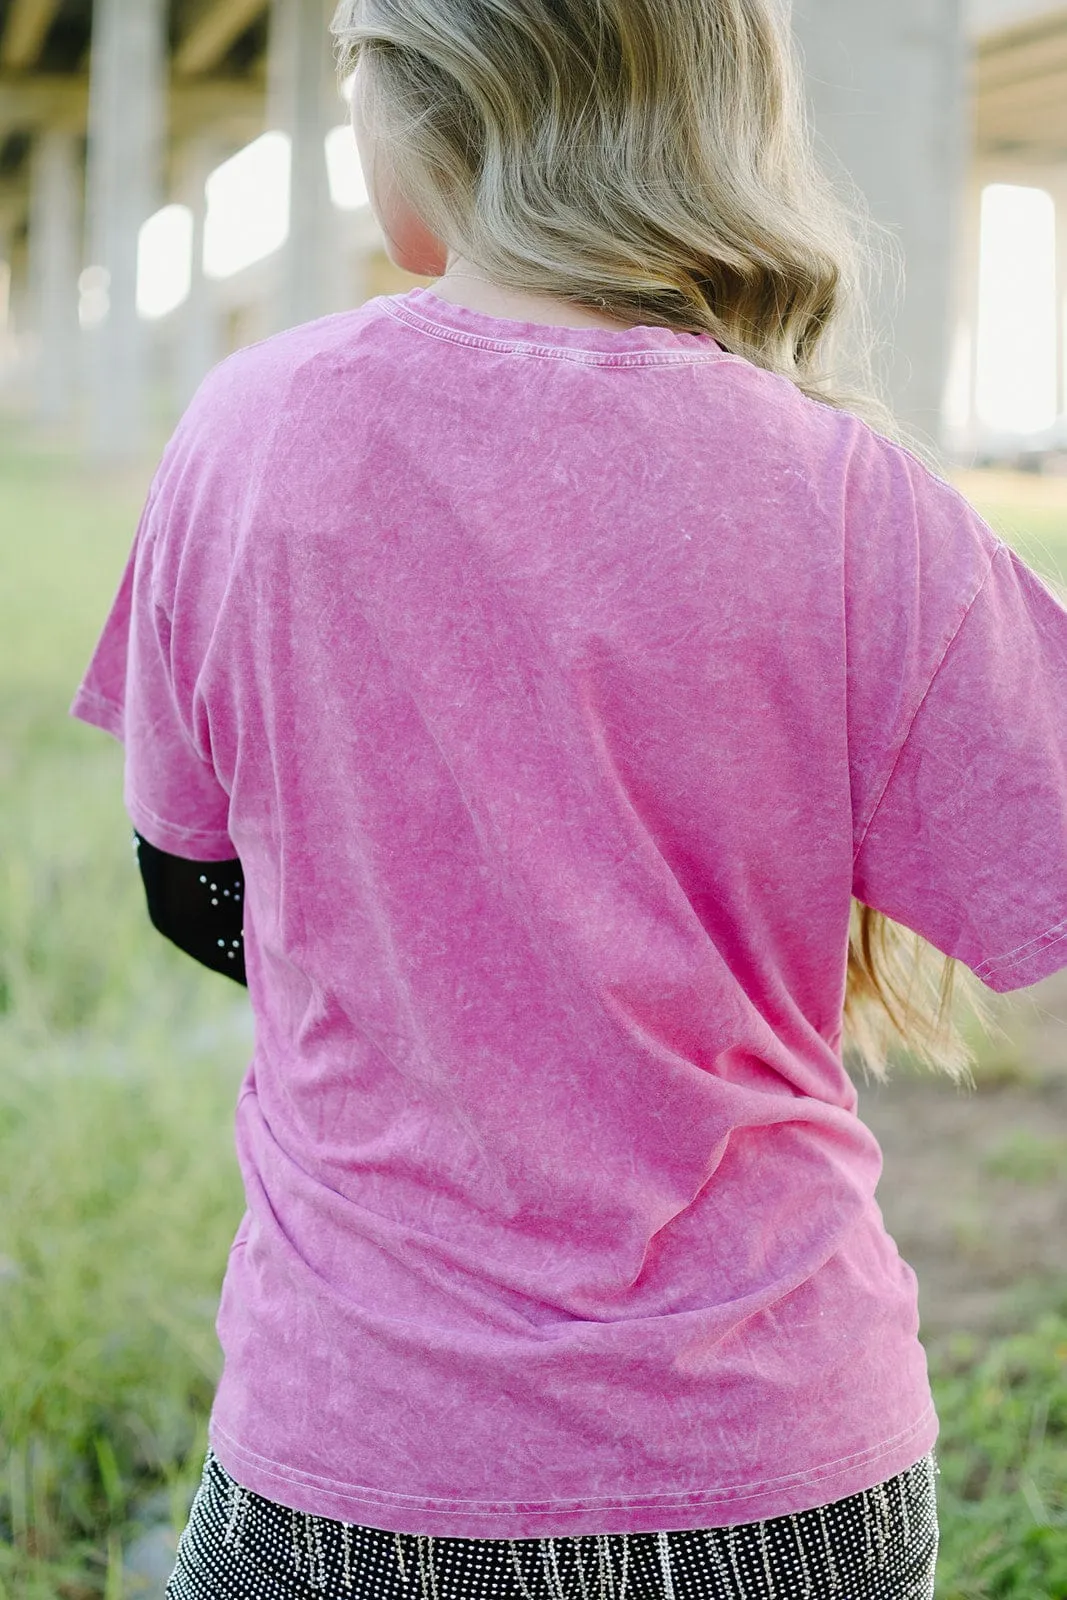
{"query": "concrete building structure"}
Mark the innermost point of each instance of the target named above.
(53, 266)
(199, 341)
(1019, 137)
(124, 186)
(132, 102)
(302, 101)
(889, 91)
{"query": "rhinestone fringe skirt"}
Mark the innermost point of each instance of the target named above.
(878, 1545)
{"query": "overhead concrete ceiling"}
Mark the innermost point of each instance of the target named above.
(1020, 74)
(992, 16)
(206, 35)
(1019, 69)
(218, 47)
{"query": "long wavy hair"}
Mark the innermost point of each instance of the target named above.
(653, 160)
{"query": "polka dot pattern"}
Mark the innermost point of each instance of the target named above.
(878, 1545)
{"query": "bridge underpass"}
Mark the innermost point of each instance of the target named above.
(110, 109)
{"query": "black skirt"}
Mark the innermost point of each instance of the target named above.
(878, 1545)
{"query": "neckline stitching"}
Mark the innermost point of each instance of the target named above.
(582, 357)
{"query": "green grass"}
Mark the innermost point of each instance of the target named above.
(119, 1195)
(1028, 1160)
(1029, 513)
(1003, 1454)
(119, 1067)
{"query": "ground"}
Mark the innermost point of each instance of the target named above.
(974, 1189)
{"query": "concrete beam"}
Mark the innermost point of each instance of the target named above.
(60, 99)
(215, 27)
(1026, 118)
(28, 21)
(1037, 31)
(1020, 86)
(1047, 152)
(1033, 60)
(1024, 115)
(1025, 155)
(13, 205)
(40, 100)
(1052, 79)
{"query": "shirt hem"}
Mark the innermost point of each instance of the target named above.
(819, 1485)
(98, 712)
(1028, 964)
(189, 844)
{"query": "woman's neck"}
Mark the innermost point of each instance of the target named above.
(463, 285)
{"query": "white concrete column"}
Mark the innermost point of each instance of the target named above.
(16, 296)
(54, 260)
(1059, 195)
(19, 375)
(7, 326)
(888, 87)
(303, 101)
(199, 336)
(964, 438)
(6, 232)
(127, 113)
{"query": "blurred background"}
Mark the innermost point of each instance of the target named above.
(177, 179)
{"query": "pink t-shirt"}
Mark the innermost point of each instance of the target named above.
(557, 689)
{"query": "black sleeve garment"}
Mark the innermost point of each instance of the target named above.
(198, 905)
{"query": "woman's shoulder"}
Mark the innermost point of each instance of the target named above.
(261, 370)
(276, 390)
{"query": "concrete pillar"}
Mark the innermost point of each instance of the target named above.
(1059, 195)
(17, 282)
(18, 382)
(127, 109)
(888, 88)
(199, 344)
(7, 331)
(304, 102)
(7, 256)
(965, 299)
(55, 250)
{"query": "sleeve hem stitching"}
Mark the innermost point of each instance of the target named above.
(208, 836)
(99, 699)
(1000, 965)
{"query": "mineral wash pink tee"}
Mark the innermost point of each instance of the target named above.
(557, 689)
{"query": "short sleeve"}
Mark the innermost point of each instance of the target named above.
(967, 843)
(130, 689)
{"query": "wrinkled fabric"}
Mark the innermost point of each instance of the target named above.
(556, 689)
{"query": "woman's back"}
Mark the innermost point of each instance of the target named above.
(557, 689)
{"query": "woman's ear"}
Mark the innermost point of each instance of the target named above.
(409, 243)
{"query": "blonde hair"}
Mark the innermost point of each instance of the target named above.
(652, 159)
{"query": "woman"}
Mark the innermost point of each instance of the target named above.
(542, 664)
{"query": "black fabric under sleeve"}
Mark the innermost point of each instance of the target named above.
(197, 905)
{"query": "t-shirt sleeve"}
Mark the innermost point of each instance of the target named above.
(133, 688)
(966, 842)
